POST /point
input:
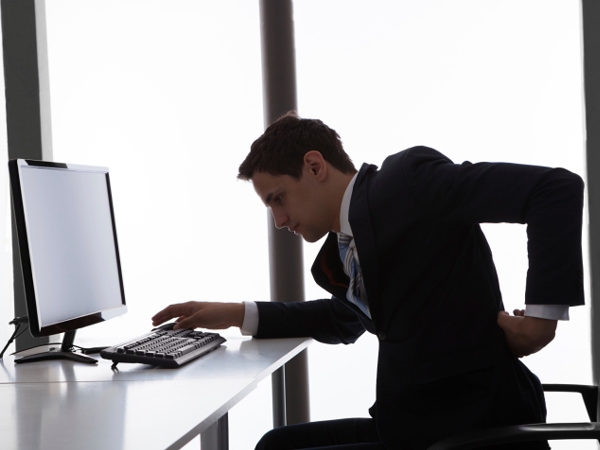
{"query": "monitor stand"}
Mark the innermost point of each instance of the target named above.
(65, 352)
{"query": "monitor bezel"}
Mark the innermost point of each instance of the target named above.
(36, 329)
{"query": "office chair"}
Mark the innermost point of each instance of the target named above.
(533, 432)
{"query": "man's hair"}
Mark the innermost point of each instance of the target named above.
(281, 148)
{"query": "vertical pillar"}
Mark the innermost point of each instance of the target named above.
(216, 437)
(285, 248)
(27, 106)
(591, 57)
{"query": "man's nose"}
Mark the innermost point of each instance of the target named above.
(280, 220)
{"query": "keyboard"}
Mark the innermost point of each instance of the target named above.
(164, 347)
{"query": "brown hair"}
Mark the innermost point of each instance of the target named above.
(281, 148)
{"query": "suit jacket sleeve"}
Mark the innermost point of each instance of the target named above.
(549, 201)
(328, 321)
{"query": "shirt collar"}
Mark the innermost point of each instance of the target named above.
(345, 208)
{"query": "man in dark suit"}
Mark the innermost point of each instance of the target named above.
(405, 259)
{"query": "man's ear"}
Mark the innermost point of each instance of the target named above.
(316, 164)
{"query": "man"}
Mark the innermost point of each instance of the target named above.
(405, 259)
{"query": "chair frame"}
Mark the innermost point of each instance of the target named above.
(533, 432)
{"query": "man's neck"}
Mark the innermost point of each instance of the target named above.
(344, 181)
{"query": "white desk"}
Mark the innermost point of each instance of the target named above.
(66, 405)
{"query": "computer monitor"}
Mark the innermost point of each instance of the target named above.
(69, 252)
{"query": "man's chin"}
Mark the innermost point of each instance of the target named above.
(311, 237)
(308, 235)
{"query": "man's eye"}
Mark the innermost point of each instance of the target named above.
(278, 199)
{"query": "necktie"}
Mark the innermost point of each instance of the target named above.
(356, 291)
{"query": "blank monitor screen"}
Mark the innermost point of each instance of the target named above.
(68, 245)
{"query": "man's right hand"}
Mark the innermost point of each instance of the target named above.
(211, 315)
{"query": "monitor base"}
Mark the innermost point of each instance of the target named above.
(70, 356)
(65, 352)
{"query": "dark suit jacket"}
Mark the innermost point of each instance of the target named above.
(433, 290)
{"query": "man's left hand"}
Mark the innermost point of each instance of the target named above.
(526, 335)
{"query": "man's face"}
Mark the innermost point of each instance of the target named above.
(300, 205)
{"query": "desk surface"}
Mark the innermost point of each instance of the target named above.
(62, 405)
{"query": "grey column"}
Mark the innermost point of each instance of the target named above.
(285, 248)
(27, 106)
(216, 437)
(591, 57)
